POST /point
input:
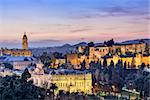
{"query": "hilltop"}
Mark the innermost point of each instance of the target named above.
(67, 48)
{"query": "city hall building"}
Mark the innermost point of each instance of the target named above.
(69, 82)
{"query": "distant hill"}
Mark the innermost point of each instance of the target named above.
(67, 48)
(136, 41)
(80, 44)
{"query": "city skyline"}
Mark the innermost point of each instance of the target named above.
(52, 23)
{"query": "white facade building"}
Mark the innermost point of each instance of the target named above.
(18, 62)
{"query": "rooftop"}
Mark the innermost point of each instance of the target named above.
(16, 58)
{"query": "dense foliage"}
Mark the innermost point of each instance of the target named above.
(18, 88)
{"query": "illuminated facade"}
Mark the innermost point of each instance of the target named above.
(18, 52)
(57, 62)
(66, 82)
(134, 48)
(73, 82)
(131, 61)
(25, 42)
(73, 59)
(102, 50)
(133, 53)
(81, 49)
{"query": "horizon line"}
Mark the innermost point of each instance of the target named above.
(78, 43)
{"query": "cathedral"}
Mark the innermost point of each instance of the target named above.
(19, 52)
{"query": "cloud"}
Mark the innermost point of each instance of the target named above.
(46, 41)
(9, 41)
(124, 11)
(111, 11)
(147, 18)
(79, 30)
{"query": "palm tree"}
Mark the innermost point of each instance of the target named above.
(53, 87)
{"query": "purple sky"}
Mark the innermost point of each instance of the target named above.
(55, 22)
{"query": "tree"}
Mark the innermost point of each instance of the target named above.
(26, 59)
(118, 51)
(109, 43)
(118, 65)
(91, 44)
(129, 65)
(105, 62)
(121, 68)
(61, 95)
(15, 89)
(53, 87)
(142, 84)
(111, 69)
(112, 64)
(57, 55)
(100, 65)
(53, 72)
(121, 63)
(25, 75)
(142, 66)
(9, 66)
(124, 69)
(147, 49)
(83, 64)
(125, 65)
(45, 59)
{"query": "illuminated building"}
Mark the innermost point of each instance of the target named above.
(71, 82)
(101, 51)
(130, 47)
(134, 54)
(18, 62)
(132, 61)
(25, 42)
(73, 59)
(18, 52)
(56, 62)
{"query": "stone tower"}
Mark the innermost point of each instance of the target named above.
(25, 41)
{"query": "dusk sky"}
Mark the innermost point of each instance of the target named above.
(56, 22)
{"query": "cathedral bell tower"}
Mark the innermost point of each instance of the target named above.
(25, 41)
